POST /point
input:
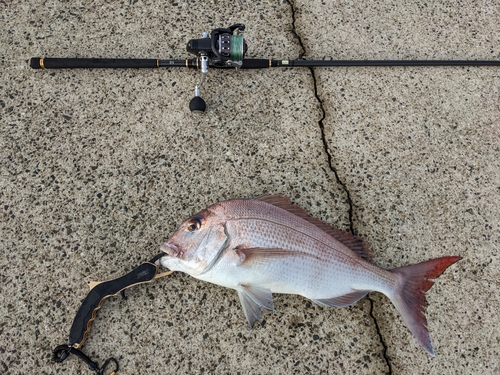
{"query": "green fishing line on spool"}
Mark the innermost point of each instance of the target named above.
(237, 47)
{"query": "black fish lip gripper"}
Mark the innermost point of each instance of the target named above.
(99, 292)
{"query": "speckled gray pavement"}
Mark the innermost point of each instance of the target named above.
(99, 167)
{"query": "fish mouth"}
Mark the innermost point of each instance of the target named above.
(172, 250)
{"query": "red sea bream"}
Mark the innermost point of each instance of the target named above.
(269, 245)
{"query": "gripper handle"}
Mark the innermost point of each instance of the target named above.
(93, 302)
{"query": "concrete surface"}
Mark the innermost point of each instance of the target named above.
(99, 167)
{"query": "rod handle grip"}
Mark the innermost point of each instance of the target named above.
(256, 63)
(69, 63)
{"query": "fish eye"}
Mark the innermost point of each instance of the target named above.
(194, 224)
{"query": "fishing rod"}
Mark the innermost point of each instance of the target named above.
(225, 48)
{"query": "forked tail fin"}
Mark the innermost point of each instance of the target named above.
(409, 299)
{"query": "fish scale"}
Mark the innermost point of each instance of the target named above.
(269, 245)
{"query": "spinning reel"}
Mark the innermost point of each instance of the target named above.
(223, 48)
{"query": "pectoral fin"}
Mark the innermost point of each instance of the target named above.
(253, 299)
(342, 301)
(252, 255)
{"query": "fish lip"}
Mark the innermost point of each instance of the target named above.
(172, 250)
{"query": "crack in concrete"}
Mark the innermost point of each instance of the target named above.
(336, 174)
(382, 341)
(321, 123)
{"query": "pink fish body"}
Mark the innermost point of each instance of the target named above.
(269, 245)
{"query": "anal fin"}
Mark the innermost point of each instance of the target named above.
(342, 301)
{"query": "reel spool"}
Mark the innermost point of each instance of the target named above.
(224, 48)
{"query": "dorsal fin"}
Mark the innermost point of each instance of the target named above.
(354, 243)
